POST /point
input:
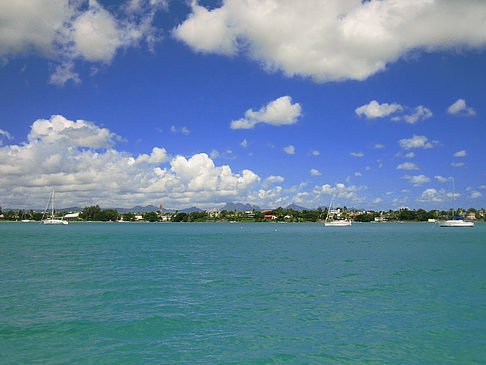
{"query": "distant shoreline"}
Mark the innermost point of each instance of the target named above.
(288, 215)
(228, 222)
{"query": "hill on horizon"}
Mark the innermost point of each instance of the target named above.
(239, 207)
(296, 207)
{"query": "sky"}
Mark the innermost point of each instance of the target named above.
(380, 103)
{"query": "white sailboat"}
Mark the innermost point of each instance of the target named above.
(338, 223)
(456, 221)
(51, 219)
(331, 222)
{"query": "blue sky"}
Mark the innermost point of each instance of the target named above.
(266, 102)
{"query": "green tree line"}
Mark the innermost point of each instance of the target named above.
(95, 213)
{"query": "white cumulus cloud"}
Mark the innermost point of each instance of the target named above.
(432, 195)
(417, 179)
(275, 196)
(65, 31)
(374, 109)
(271, 180)
(278, 112)
(476, 194)
(341, 191)
(289, 150)
(158, 156)
(333, 40)
(416, 114)
(315, 172)
(78, 133)
(460, 108)
(356, 154)
(462, 153)
(96, 35)
(417, 142)
(407, 166)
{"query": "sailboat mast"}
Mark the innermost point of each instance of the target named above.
(330, 205)
(453, 198)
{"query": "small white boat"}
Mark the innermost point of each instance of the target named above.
(52, 219)
(331, 222)
(456, 223)
(338, 223)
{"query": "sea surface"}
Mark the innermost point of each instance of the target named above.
(251, 293)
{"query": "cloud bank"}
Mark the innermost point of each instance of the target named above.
(333, 40)
(78, 158)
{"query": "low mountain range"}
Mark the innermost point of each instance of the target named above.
(296, 207)
(239, 207)
(229, 206)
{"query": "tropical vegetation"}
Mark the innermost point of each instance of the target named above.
(95, 213)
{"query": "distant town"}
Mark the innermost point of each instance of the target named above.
(238, 212)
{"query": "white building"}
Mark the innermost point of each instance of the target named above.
(73, 216)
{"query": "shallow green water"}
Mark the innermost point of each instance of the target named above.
(90, 293)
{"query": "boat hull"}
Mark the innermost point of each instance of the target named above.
(341, 223)
(457, 223)
(54, 221)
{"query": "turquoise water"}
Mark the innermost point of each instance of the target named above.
(220, 293)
